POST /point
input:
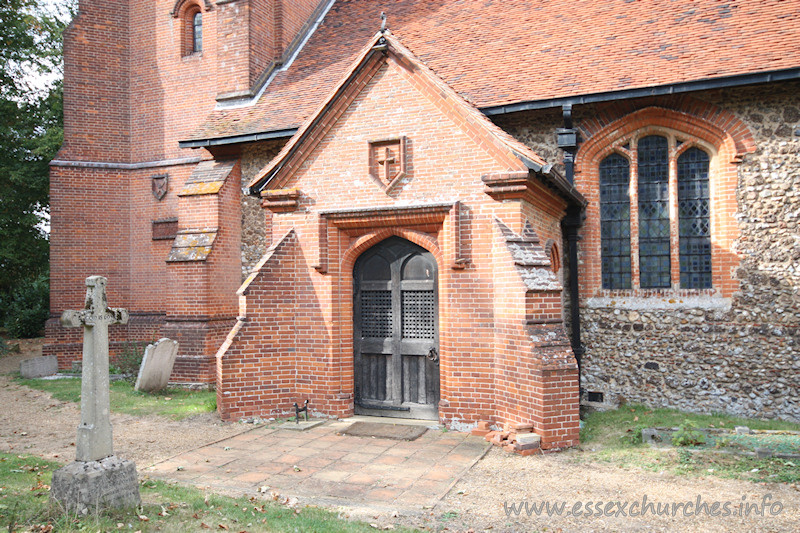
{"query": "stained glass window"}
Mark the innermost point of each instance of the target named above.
(694, 219)
(654, 267)
(615, 222)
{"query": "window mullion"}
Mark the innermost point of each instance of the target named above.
(674, 222)
(633, 193)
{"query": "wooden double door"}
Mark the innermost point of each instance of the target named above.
(396, 329)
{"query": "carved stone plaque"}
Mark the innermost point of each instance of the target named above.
(387, 161)
(160, 186)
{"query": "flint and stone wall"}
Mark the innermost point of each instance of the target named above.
(256, 221)
(707, 353)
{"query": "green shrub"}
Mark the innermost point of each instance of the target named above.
(28, 308)
(128, 361)
(633, 435)
(688, 435)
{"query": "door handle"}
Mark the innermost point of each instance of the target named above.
(433, 355)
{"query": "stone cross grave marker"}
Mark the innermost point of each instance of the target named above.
(96, 479)
(94, 432)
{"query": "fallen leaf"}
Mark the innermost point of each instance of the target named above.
(205, 526)
(143, 518)
(635, 418)
(223, 526)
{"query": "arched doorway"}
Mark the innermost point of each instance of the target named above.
(396, 331)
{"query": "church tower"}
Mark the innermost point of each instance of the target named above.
(139, 78)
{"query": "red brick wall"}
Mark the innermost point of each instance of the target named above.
(169, 88)
(262, 36)
(297, 339)
(233, 20)
(254, 33)
(294, 14)
(96, 83)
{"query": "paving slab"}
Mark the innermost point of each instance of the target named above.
(303, 425)
(361, 474)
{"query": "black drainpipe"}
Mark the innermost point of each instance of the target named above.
(568, 141)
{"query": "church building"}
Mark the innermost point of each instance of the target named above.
(446, 210)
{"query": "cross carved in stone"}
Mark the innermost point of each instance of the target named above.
(386, 159)
(94, 432)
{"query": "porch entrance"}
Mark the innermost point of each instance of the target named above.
(396, 331)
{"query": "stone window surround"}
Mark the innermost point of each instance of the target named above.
(626, 146)
(717, 132)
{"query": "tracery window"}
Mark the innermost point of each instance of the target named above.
(665, 173)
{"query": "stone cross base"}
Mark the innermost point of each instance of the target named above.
(83, 487)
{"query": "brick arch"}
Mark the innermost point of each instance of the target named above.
(365, 242)
(344, 292)
(610, 113)
(721, 130)
(181, 6)
(730, 136)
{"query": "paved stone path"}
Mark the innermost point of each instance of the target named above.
(356, 473)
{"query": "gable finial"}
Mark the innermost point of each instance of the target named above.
(383, 22)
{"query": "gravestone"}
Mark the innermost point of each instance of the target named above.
(97, 479)
(156, 367)
(38, 367)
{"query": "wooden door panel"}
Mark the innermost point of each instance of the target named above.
(374, 378)
(415, 347)
(395, 326)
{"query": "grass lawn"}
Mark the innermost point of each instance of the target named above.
(171, 403)
(24, 505)
(613, 437)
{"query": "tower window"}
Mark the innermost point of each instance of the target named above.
(197, 32)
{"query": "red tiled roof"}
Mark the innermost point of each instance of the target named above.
(495, 52)
(503, 146)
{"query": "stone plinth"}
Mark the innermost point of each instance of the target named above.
(83, 487)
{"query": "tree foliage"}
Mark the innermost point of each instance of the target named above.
(31, 131)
